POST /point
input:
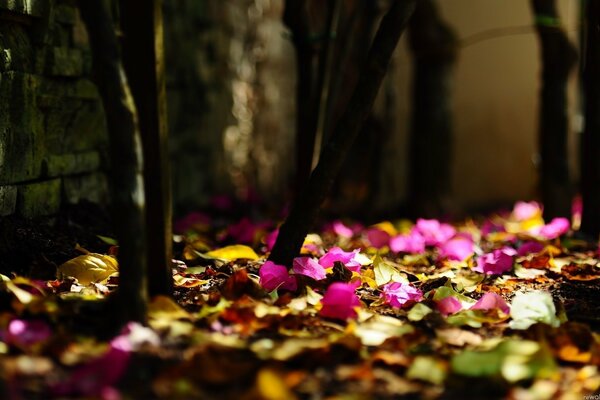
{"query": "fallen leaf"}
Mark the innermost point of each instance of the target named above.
(234, 252)
(89, 268)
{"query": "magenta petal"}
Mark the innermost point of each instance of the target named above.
(340, 301)
(398, 294)
(458, 248)
(309, 267)
(24, 333)
(529, 247)
(556, 228)
(342, 230)
(490, 301)
(411, 243)
(449, 305)
(378, 238)
(186, 223)
(243, 231)
(271, 238)
(336, 254)
(496, 262)
(94, 377)
(433, 231)
(273, 276)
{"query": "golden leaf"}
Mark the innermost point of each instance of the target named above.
(235, 252)
(89, 268)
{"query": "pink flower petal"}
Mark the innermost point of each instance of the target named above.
(342, 230)
(378, 238)
(556, 228)
(340, 301)
(490, 226)
(189, 221)
(490, 301)
(348, 258)
(458, 248)
(26, 333)
(242, 232)
(397, 294)
(336, 254)
(94, 378)
(433, 231)
(273, 276)
(529, 247)
(449, 305)
(309, 267)
(271, 238)
(523, 211)
(411, 243)
(497, 262)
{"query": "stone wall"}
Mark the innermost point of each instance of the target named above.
(52, 129)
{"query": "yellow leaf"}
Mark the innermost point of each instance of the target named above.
(163, 307)
(387, 227)
(188, 281)
(89, 268)
(234, 252)
(271, 386)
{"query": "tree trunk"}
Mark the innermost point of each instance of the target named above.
(434, 48)
(141, 23)
(296, 17)
(590, 141)
(126, 180)
(558, 59)
(306, 207)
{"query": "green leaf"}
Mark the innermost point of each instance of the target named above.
(513, 360)
(447, 291)
(418, 312)
(476, 318)
(386, 272)
(427, 369)
(108, 240)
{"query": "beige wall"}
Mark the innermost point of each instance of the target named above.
(495, 99)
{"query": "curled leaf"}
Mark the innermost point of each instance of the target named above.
(89, 268)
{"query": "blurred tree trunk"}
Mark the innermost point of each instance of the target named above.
(434, 48)
(304, 18)
(558, 59)
(143, 59)
(306, 206)
(590, 141)
(126, 172)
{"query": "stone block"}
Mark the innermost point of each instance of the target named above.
(34, 8)
(21, 129)
(38, 199)
(64, 61)
(90, 187)
(69, 164)
(16, 52)
(65, 14)
(8, 200)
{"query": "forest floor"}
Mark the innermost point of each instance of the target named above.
(506, 306)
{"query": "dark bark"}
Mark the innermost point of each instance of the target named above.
(590, 141)
(125, 176)
(297, 17)
(434, 48)
(142, 44)
(558, 59)
(306, 207)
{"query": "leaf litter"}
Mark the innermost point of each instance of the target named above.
(507, 307)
